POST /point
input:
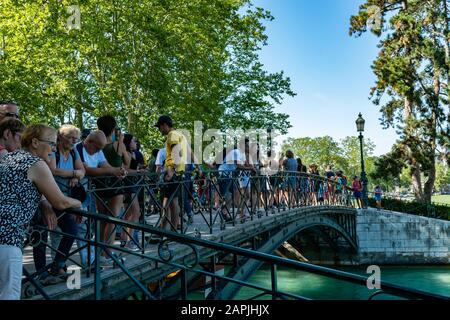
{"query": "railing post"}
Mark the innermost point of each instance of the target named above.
(213, 279)
(209, 187)
(184, 291)
(182, 186)
(89, 237)
(97, 279)
(235, 260)
(274, 280)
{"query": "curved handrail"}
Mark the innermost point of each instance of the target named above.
(388, 288)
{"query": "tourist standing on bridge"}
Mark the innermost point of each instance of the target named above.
(68, 172)
(233, 166)
(175, 166)
(290, 166)
(160, 161)
(151, 167)
(314, 183)
(96, 165)
(302, 182)
(331, 176)
(378, 192)
(10, 132)
(357, 191)
(339, 188)
(8, 109)
(24, 178)
(117, 156)
(269, 170)
(130, 143)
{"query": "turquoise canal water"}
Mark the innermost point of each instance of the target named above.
(435, 279)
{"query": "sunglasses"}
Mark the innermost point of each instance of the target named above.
(50, 143)
(11, 114)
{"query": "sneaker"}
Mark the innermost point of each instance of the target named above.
(48, 279)
(106, 262)
(132, 246)
(154, 239)
(190, 220)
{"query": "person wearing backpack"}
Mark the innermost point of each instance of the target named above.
(338, 187)
(68, 171)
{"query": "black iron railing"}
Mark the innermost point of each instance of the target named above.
(260, 197)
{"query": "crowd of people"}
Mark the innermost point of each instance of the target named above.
(44, 171)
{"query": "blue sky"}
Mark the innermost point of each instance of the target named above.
(330, 71)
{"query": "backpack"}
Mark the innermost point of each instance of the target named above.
(340, 183)
(58, 157)
(79, 148)
(77, 192)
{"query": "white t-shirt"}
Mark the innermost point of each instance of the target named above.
(95, 160)
(161, 158)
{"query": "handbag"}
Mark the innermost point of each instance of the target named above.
(78, 192)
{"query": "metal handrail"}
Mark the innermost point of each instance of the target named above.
(227, 248)
(387, 288)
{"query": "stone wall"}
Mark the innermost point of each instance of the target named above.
(386, 237)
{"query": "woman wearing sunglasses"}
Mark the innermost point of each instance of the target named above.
(24, 178)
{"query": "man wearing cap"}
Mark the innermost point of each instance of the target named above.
(174, 167)
(8, 109)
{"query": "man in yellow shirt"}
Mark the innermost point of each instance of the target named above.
(175, 165)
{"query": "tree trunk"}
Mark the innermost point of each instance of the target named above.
(429, 185)
(447, 53)
(414, 164)
(79, 117)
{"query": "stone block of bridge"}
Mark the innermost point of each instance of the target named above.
(386, 237)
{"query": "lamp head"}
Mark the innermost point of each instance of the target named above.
(360, 123)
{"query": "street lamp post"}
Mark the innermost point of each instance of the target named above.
(360, 127)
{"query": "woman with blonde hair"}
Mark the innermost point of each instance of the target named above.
(24, 178)
(68, 171)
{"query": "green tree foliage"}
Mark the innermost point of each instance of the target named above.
(138, 59)
(442, 176)
(412, 71)
(344, 155)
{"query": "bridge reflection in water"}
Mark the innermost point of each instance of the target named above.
(279, 207)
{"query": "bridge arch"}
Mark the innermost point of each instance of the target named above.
(276, 240)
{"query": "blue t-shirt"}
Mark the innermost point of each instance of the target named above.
(291, 165)
(231, 161)
(64, 164)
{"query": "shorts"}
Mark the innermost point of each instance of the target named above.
(130, 184)
(291, 183)
(273, 182)
(377, 197)
(244, 182)
(172, 188)
(225, 185)
(114, 185)
(357, 194)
